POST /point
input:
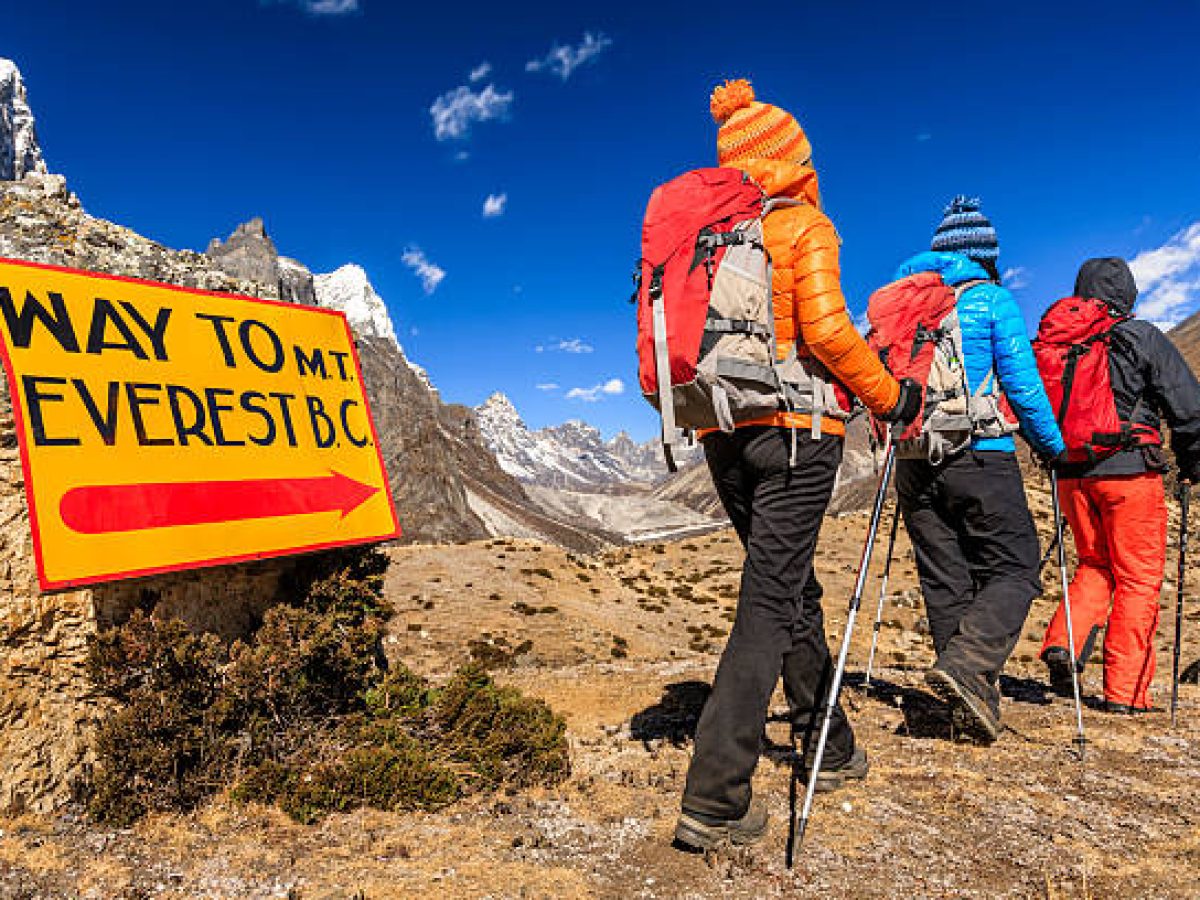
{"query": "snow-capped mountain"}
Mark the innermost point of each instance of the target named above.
(349, 290)
(20, 154)
(573, 455)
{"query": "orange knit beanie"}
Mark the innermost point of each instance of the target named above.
(753, 130)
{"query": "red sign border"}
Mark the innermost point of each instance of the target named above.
(49, 586)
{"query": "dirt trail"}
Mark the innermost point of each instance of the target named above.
(624, 644)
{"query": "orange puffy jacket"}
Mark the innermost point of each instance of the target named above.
(810, 310)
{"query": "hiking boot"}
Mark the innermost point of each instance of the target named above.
(970, 710)
(1124, 709)
(834, 778)
(1058, 666)
(704, 833)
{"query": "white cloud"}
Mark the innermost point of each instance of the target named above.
(610, 388)
(547, 386)
(570, 345)
(324, 7)
(494, 205)
(1168, 278)
(574, 345)
(924, 136)
(431, 275)
(564, 60)
(455, 111)
(480, 72)
(1015, 278)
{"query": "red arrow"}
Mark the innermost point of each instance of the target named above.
(106, 508)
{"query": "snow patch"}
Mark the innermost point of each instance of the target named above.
(348, 289)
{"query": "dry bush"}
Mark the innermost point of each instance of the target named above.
(306, 713)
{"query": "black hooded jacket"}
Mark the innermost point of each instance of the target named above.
(1151, 381)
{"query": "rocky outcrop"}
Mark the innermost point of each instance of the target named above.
(250, 254)
(20, 154)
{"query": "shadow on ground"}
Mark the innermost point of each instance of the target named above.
(674, 717)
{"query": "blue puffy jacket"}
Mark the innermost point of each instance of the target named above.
(994, 337)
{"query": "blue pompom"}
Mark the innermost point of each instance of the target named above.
(962, 203)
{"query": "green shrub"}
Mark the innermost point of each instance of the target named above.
(508, 739)
(306, 714)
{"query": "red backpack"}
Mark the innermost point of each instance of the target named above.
(705, 317)
(916, 332)
(1072, 349)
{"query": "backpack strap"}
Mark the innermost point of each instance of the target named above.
(717, 327)
(775, 203)
(662, 366)
(982, 390)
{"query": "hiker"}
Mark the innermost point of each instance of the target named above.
(958, 482)
(1129, 379)
(775, 476)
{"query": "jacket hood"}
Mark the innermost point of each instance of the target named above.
(1109, 279)
(785, 179)
(953, 267)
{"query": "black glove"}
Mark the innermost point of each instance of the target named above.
(1189, 472)
(1051, 463)
(908, 405)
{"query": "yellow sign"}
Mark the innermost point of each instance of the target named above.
(163, 428)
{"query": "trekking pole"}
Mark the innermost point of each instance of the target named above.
(887, 570)
(1185, 497)
(1080, 740)
(836, 685)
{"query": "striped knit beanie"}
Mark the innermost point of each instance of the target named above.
(753, 130)
(968, 231)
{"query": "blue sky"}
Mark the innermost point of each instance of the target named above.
(1075, 122)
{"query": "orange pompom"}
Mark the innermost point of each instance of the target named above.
(728, 98)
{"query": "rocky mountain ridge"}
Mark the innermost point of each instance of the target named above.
(572, 456)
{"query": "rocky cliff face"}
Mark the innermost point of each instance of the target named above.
(250, 254)
(426, 483)
(1186, 336)
(20, 154)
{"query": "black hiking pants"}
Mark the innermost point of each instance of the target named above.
(779, 629)
(977, 557)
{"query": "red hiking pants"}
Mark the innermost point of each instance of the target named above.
(1120, 530)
